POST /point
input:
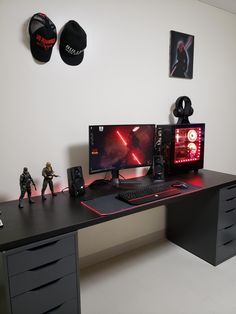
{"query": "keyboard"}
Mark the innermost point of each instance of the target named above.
(148, 194)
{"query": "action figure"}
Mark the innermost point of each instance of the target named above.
(48, 175)
(25, 186)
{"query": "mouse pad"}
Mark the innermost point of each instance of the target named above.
(109, 204)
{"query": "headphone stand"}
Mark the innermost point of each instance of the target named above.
(183, 111)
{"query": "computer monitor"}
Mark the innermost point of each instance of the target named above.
(116, 147)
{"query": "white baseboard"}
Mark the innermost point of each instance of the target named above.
(101, 256)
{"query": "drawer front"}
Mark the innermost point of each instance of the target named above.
(40, 254)
(225, 251)
(228, 204)
(227, 234)
(226, 218)
(228, 198)
(41, 275)
(228, 192)
(70, 307)
(47, 297)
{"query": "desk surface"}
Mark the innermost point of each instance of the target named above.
(63, 214)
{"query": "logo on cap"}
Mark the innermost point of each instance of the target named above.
(73, 51)
(44, 42)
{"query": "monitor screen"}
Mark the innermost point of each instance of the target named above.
(115, 147)
(188, 141)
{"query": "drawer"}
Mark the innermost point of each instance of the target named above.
(41, 275)
(228, 192)
(70, 307)
(44, 252)
(225, 251)
(227, 234)
(46, 297)
(226, 218)
(228, 204)
(228, 198)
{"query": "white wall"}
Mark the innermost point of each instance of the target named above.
(46, 108)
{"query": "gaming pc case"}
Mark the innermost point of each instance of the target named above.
(182, 147)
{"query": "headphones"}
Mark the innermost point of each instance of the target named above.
(183, 112)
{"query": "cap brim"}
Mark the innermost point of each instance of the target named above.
(71, 60)
(40, 54)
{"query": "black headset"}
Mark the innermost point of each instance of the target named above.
(183, 112)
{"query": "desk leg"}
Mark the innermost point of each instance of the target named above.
(78, 273)
(191, 223)
(5, 306)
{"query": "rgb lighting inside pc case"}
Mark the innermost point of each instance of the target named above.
(187, 144)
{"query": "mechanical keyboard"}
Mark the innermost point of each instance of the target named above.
(148, 194)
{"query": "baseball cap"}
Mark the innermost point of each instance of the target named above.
(73, 41)
(43, 36)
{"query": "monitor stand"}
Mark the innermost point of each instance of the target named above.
(115, 180)
(115, 177)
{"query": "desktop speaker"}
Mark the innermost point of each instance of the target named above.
(158, 161)
(76, 181)
(158, 167)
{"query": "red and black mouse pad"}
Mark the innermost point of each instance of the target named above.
(110, 204)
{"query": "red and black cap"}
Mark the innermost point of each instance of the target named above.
(43, 36)
(73, 41)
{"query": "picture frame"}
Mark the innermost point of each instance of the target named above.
(181, 55)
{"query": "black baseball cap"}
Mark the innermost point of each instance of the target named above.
(73, 41)
(43, 36)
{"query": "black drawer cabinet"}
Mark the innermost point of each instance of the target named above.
(41, 278)
(207, 227)
(226, 232)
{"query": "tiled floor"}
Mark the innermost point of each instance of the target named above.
(159, 279)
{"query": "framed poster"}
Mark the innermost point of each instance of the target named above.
(181, 55)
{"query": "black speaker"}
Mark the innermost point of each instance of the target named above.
(158, 167)
(76, 181)
(156, 171)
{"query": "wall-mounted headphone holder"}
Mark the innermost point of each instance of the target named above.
(183, 109)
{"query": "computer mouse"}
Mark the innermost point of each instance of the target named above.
(180, 185)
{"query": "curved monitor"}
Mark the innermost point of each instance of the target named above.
(116, 147)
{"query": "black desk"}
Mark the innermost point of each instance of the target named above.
(201, 221)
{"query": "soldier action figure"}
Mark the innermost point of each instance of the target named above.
(25, 186)
(48, 175)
